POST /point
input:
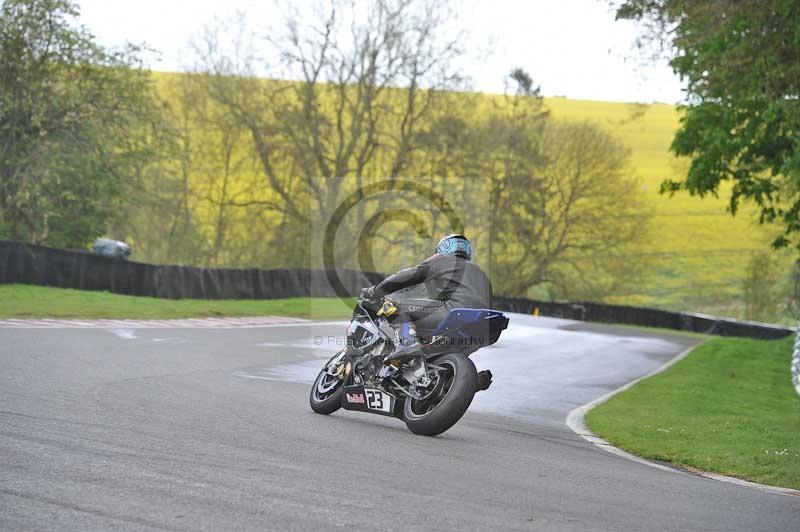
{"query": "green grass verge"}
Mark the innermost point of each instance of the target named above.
(729, 407)
(26, 301)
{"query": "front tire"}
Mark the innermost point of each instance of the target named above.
(437, 414)
(327, 390)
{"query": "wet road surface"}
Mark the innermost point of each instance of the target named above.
(210, 429)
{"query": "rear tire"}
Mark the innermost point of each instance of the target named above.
(327, 390)
(428, 419)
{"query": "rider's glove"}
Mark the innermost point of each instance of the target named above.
(368, 294)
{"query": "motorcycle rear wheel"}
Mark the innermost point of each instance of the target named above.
(327, 390)
(456, 388)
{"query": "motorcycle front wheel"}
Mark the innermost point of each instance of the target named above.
(455, 385)
(326, 392)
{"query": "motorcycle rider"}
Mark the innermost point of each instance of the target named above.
(452, 281)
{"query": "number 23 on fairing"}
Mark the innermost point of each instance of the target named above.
(378, 400)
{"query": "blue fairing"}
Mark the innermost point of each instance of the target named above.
(470, 322)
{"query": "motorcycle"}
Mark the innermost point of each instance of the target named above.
(430, 391)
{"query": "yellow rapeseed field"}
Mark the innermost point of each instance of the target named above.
(697, 252)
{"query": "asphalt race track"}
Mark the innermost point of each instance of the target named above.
(210, 429)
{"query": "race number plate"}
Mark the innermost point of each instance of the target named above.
(378, 400)
(357, 397)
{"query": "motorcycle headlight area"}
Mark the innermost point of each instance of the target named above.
(360, 335)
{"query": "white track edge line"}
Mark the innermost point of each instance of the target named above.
(576, 421)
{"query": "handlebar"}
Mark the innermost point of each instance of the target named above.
(369, 305)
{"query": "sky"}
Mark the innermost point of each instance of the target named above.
(571, 48)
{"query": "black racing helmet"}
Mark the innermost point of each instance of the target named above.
(455, 244)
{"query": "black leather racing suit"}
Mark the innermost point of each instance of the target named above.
(451, 282)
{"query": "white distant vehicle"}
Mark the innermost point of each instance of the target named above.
(111, 248)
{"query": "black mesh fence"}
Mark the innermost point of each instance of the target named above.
(40, 265)
(647, 317)
(30, 264)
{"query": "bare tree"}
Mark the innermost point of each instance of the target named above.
(361, 81)
(552, 204)
(576, 219)
(158, 216)
(361, 94)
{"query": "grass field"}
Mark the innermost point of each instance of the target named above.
(24, 301)
(729, 407)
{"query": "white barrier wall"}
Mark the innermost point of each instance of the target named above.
(796, 362)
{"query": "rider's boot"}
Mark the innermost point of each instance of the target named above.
(408, 345)
(484, 380)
